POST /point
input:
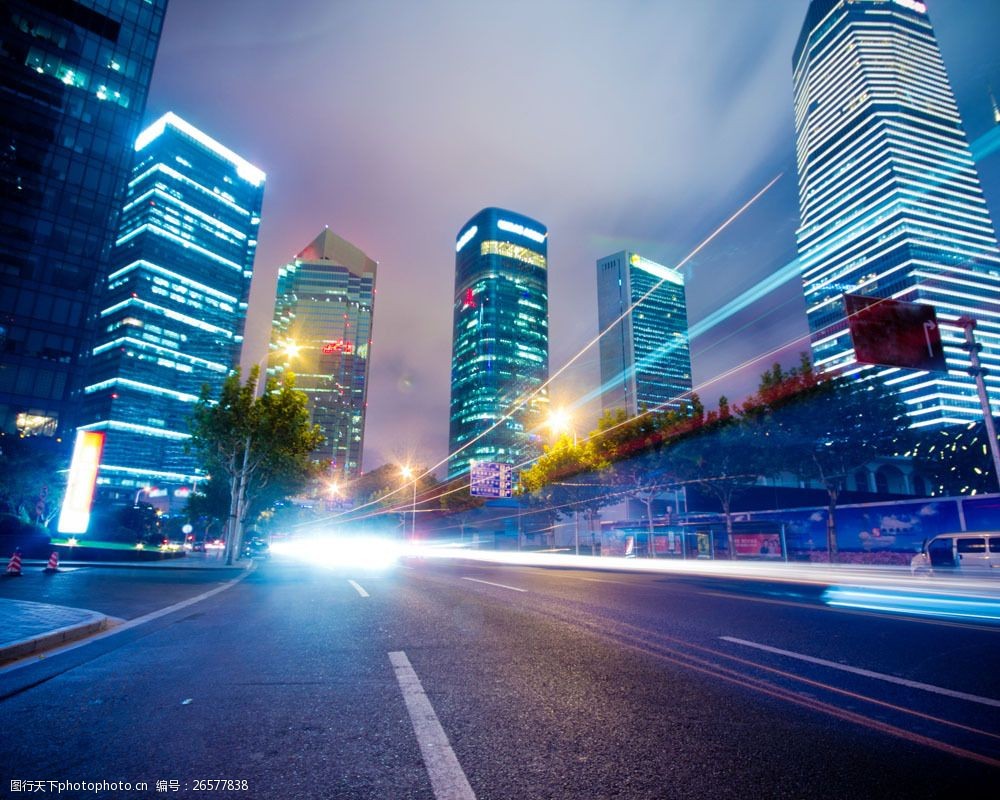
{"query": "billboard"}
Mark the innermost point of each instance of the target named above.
(74, 517)
(893, 333)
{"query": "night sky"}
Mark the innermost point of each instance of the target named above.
(639, 125)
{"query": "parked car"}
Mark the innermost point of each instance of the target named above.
(256, 548)
(968, 553)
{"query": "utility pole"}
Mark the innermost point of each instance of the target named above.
(977, 371)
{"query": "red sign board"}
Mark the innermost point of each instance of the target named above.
(893, 333)
(338, 346)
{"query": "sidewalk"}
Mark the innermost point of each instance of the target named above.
(27, 628)
(38, 613)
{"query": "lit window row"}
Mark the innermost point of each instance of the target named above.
(509, 250)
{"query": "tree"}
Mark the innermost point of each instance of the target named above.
(567, 477)
(629, 453)
(257, 444)
(32, 477)
(831, 428)
(725, 457)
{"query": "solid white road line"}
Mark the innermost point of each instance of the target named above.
(501, 585)
(132, 623)
(447, 778)
(972, 698)
(360, 591)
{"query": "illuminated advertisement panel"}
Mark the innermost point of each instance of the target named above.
(75, 514)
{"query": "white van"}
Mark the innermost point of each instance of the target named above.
(969, 553)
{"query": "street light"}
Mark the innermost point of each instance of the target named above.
(561, 421)
(407, 474)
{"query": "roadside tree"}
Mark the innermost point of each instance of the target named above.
(260, 446)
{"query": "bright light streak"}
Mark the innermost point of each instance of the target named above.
(882, 588)
(976, 609)
(773, 281)
(332, 552)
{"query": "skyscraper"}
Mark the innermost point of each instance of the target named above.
(645, 356)
(500, 339)
(172, 314)
(73, 84)
(889, 196)
(323, 333)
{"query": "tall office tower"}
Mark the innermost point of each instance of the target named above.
(645, 357)
(889, 196)
(500, 340)
(323, 333)
(172, 314)
(73, 84)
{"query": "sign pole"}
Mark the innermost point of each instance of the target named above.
(976, 371)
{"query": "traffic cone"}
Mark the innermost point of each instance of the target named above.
(14, 565)
(53, 565)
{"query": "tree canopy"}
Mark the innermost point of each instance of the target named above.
(818, 428)
(260, 446)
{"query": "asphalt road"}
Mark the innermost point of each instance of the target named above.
(445, 679)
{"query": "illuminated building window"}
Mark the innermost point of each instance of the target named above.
(523, 254)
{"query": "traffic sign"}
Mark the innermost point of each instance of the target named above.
(491, 479)
(894, 333)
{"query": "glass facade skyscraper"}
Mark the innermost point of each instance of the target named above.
(173, 311)
(500, 340)
(645, 355)
(889, 196)
(73, 83)
(323, 333)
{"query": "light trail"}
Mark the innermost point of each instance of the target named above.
(981, 148)
(518, 404)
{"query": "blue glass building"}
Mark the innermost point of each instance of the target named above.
(889, 196)
(645, 353)
(173, 310)
(73, 83)
(500, 341)
(322, 332)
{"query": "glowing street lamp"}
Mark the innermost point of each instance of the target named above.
(561, 421)
(408, 474)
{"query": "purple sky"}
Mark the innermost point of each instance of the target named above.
(616, 124)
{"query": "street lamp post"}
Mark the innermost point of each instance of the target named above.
(968, 324)
(559, 422)
(408, 474)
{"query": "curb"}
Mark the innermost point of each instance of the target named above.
(47, 641)
(164, 564)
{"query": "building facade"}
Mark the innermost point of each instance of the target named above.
(890, 200)
(73, 84)
(645, 352)
(173, 310)
(500, 340)
(322, 332)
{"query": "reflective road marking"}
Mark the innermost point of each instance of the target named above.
(447, 778)
(972, 698)
(501, 585)
(358, 588)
